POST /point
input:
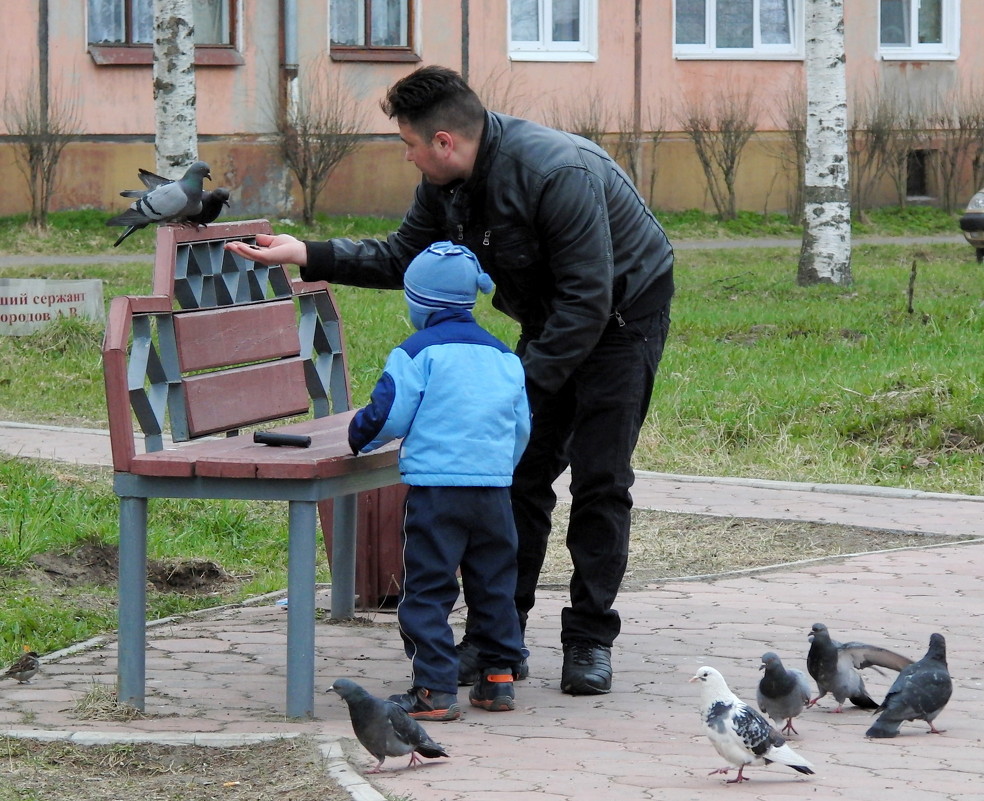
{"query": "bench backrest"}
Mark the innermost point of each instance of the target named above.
(221, 345)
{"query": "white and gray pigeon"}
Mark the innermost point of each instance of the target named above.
(739, 733)
(212, 199)
(385, 728)
(782, 693)
(172, 201)
(834, 667)
(919, 693)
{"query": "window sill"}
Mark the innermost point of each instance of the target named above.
(724, 55)
(547, 55)
(913, 55)
(139, 55)
(373, 54)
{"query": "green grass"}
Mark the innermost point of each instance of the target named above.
(761, 378)
(85, 232)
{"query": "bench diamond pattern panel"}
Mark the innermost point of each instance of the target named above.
(207, 275)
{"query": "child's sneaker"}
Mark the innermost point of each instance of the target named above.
(469, 664)
(494, 690)
(424, 704)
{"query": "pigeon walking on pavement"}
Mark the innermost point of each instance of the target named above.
(24, 669)
(782, 693)
(739, 733)
(168, 202)
(919, 693)
(384, 728)
(834, 667)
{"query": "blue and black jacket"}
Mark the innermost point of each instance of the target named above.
(457, 396)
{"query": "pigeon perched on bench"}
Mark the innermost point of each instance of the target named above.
(173, 201)
(212, 199)
(739, 733)
(919, 693)
(834, 667)
(384, 728)
(782, 693)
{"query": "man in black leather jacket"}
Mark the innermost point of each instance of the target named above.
(582, 264)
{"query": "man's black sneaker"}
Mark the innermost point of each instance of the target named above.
(494, 690)
(470, 670)
(587, 668)
(424, 704)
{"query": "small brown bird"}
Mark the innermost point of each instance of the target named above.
(24, 668)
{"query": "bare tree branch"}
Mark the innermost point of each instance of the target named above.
(720, 129)
(323, 127)
(40, 135)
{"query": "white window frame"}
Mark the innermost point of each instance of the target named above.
(759, 51)
(947, 50)
(546, 49)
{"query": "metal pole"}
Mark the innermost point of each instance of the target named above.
(132, 646)
(300, 608)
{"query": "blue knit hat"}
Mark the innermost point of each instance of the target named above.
(443, 276)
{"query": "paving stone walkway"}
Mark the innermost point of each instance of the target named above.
(221, 674)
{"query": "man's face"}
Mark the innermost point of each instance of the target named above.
(435, 158)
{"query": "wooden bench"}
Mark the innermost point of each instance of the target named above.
(223, 345)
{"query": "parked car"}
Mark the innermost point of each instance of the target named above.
(972, 224)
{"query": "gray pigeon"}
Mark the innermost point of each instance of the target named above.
(739, 733)
(919, 693)
(167, 202)
(782, 694)
(212, 200)
(384, 728)
(834, 667)
(212, 203)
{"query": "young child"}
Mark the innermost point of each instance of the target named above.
(457, 396)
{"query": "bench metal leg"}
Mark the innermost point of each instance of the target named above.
(300, 609)
(343, 545)
(131, 649)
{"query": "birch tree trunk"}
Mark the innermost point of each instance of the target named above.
(176, 135)
(826, 253)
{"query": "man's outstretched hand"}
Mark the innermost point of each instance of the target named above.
(270, 250)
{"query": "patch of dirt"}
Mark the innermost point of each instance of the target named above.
(281, 770)
(672, 546)
(98, 563)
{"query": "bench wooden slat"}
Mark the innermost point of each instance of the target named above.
(257, 332)
(243, 396)
(240, 457)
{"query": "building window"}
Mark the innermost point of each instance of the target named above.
(122, 31)
(372, 30)
(738, 29)
(553, 30)
(132, 22)
(919, 29)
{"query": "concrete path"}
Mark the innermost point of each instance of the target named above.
(221, 674)
(35, 260)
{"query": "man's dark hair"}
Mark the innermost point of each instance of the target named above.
(433, 99)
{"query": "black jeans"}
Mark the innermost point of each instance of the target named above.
(592, 424)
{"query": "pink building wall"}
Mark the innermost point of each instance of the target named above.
(236, 104)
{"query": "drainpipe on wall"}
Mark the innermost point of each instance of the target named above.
(289, 55)
(464, 39)
(43, 62)
(289, 87)
(637, 93)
